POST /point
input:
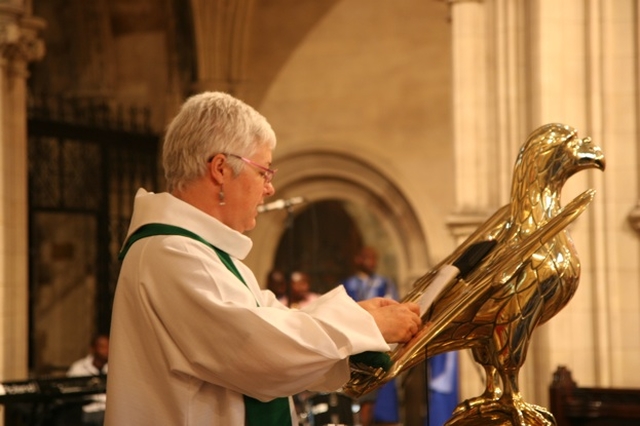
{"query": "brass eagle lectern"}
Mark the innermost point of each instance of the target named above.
(515, 272)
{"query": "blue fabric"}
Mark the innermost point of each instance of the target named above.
(362, 288)
(443, 388)
(386, 407)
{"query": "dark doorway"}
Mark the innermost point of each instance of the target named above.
(322, 241)
(324, 238)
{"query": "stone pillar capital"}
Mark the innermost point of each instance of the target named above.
(20, 35)
(463, 224)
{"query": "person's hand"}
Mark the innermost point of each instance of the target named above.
(398, 322)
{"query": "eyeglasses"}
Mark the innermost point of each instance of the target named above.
(266, 173)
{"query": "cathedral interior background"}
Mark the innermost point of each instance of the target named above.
(398, 122)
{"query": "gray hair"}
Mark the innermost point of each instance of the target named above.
(208, 124)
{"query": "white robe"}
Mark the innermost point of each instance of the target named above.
(188, 339)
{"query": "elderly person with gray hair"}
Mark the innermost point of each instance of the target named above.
(195, 340)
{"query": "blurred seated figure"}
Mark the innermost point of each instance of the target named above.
(277, 283)
(94, 364)
(299, 291)
(381, 406)
(299, 294)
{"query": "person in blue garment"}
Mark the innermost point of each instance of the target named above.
(378, 407)
(443, 388)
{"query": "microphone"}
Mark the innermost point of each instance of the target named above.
(280, 204)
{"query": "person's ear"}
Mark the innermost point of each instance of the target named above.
(217, 169)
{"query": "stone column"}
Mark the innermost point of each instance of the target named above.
(520, 64)
(490, 118)
(469, 46)
(221, 36)
(19, 44)
(469, 102)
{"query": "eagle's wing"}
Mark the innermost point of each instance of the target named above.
(491, 229)
(464, 296)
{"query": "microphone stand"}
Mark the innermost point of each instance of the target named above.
(288, 226)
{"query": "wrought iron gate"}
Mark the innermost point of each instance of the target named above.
(86, 161)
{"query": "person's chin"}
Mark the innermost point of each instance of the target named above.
(250, 225)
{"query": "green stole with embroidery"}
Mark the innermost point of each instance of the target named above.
(257, 413)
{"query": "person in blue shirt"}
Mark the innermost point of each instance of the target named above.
(366, 283)
(381, 406)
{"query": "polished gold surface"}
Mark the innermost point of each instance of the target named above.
(529, 276)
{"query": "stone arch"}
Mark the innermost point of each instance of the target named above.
(325, 175)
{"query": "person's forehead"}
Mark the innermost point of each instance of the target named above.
(102, 340)
(369, 254)
(263, 150)
(298, 276)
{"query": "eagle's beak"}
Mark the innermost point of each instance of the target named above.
(590, 155)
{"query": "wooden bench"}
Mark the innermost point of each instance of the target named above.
(578, 406)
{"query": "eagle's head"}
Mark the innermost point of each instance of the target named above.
(553, 153)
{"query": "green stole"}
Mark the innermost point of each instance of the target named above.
(257, 413)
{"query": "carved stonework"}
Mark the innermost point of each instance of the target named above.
(19, 36)
(461, 225)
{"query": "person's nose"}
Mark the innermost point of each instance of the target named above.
(269, 189)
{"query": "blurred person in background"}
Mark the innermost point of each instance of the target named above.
(381, 406)
(94, 364)
(299, 291)
(277, 283)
